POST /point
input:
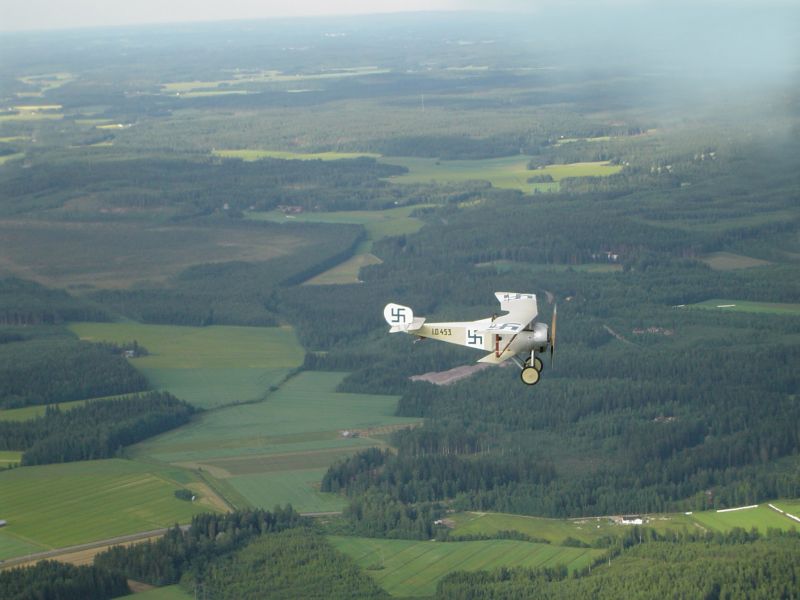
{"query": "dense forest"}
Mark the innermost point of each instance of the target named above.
(53, 580)
(98, 429)
(51, 368)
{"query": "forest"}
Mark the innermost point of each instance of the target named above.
(98, 429)
(141, 180)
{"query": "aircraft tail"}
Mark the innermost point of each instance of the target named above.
(401, 318)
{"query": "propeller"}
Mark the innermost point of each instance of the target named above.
(553, 335)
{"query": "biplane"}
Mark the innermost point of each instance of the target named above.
(517, 335)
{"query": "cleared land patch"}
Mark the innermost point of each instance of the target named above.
(115, 255)
(378, 224)
(206, 366)
(510, 172)
(413, 568)
(277, 450)
(61, 505)
(727, 261)
(749, 306)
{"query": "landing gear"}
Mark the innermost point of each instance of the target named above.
(537, 363)
(530, 375)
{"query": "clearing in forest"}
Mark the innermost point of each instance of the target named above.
(206, 366)
(413, 568)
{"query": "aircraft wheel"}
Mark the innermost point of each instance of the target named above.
(529, 376)
(537, 364)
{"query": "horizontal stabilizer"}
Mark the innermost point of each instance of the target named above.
(415, 325)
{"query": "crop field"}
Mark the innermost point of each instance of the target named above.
(413, 568)
(61, 505)
(748, 306)
(206, 366)
(116, 255)
(728, 261)
(510, 172)
(277, 450)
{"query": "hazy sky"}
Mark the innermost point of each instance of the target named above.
(21, 15)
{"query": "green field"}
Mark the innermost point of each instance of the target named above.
(762, 518)
(555, 530)
(346, 272)
(748, 306)
(378, 223)
(510, 172)
(590, 529)
(8, 458)
(250, 155)
(7, 157)
(206, 366)
(413, 568)
(61, 505)
(727, 261)
(790, 506)
(277, 450)
(11, 545)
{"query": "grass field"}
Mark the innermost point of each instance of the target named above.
(378, 223)
(591, 528)
(555, 530)
(727, 261)
(510, 172)
(413, 568)
(277, 450)
(61, 505)
(346, 272)
(748, 306)
(790, 506)
(8, 458)
(116, 255)
(206, 366)
(762, 518)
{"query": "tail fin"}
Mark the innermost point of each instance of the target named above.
(401, 318)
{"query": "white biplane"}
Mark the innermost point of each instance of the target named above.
(515, 335)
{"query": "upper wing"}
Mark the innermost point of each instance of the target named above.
(522, 309)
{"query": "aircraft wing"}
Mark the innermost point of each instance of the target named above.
(521, 310)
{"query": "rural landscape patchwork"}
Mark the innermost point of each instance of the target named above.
(200, 225)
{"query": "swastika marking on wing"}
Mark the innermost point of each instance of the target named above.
(398, 315)
(474, 338)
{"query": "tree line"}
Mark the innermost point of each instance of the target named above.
(98, 429)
